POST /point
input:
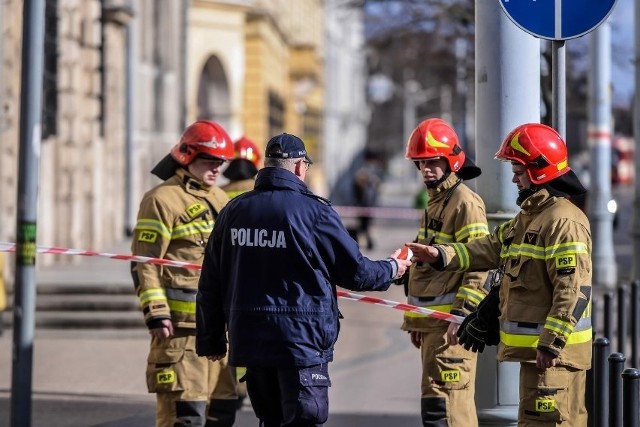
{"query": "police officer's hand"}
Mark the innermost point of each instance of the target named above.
(216, 357)
(403, 264)
(166, 331)
(424, 253)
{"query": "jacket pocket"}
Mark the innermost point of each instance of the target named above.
(548, 401)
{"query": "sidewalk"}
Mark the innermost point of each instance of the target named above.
(96, 378)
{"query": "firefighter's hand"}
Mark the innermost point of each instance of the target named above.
(545, 360)
(424, 253)
(416, 338)
(216, 357)
(452, 334)
(166, 331)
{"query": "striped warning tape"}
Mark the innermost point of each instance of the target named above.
(11, 247)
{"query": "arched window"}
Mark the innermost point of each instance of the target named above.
(213, 93)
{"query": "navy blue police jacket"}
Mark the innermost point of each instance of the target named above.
(270, 272)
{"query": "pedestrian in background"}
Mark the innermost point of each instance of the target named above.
(242, 170)
(366, 186)
(269, 275)
(539, 310)
(174, 222)
(453, 213)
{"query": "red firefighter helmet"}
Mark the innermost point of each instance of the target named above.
(435, 138)
(539, 148)
(247, 149)
(203, 137)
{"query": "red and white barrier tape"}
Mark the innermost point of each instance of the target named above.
(401, 306)
(11, 247)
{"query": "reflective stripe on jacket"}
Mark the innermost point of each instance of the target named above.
(174, 222)
(454, 214)
(545, 252)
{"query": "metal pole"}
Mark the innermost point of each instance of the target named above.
(616, 365)
(601, 381)
(630, 396)
(507, 76)
(635, 323)
(622, 319)
(28, 164)
(559, 87)
(130, 205)
(599, 137)
(635, 223)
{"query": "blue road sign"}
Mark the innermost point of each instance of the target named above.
(558, 19)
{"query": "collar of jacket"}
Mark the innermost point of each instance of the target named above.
(191, 184)
(537, 202)
(279, 178)
(442, 189)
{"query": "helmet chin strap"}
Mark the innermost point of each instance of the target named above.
(526, 193)
(437, 182)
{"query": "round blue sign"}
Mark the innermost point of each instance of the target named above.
(558, 19)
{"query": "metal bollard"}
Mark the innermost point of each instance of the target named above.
(630, 393)
(607, 314)
(616, 366)
(635, 324)
(622, 318)
(600, 382)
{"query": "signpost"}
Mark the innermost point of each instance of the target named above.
(557, 19)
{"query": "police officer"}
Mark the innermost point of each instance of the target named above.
(454, 213)
(542, 291)
(269, 275)
(174, 222)
(242, 170)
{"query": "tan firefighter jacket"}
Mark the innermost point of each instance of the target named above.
(174, 222)
(545, 290)
(454, 214)
(236, 188)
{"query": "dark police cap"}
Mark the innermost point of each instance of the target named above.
(286, 146)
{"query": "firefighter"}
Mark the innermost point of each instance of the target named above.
(174, 222)
(542, 285)
(243, 168)
(454, 213)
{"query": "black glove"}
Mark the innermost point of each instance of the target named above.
(482, 327)
(404, 282)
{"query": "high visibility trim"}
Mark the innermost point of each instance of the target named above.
(463, 255)
(182, 306)
(446, 308)
(474, 230)
(181, 295)
(149, 295)
(559, 326)
(153, 225)
(531, 341)
(440, 237)
(544, 253)
(442, 299)
(194, 227)
(513, 327)
(471, 294)
(501, 230)
(234, 194)
(421, 233)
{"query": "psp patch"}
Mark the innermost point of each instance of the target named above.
(545, 405)
(451, 376)
(566, 261)
(148, 236)
(166, 377)
(195, 210)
